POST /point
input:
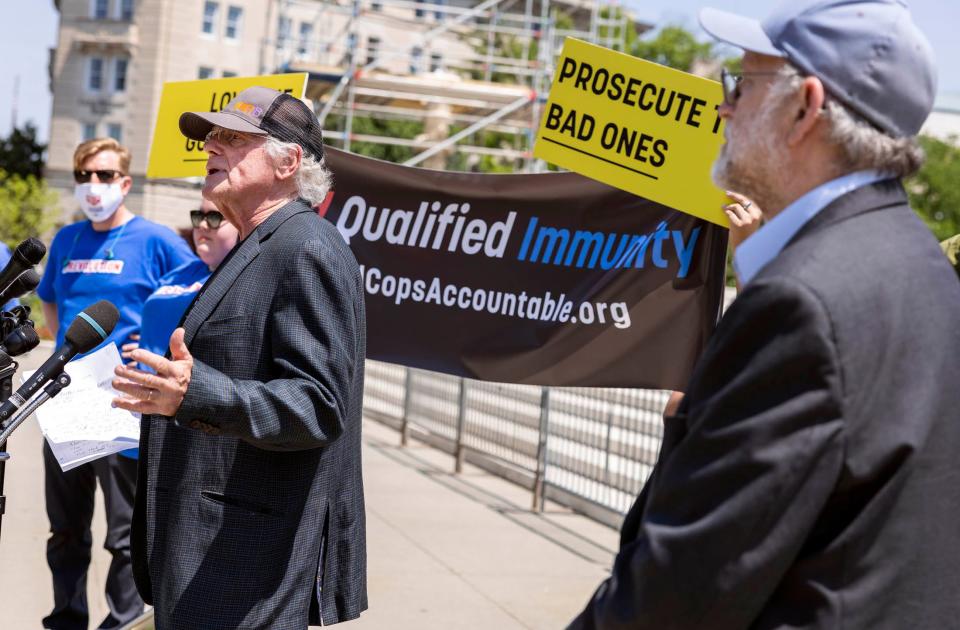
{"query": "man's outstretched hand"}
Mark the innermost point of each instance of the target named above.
(160, 393)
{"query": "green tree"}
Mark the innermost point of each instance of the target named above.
(366, 125)
(674, 46)
(935, 190)
(27, 207)
(21, 154)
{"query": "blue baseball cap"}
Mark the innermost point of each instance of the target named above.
(868, 53)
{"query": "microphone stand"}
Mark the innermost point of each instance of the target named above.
(6, 387)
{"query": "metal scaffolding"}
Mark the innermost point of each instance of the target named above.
(489, 68)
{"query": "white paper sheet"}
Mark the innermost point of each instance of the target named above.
(80, 424)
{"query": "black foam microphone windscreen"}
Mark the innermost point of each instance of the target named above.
(92, 326)
(25, 282)
(27, 254)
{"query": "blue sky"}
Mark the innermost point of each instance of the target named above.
(30, 30)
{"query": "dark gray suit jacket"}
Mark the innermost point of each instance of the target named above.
(252, 498)
(812, 476)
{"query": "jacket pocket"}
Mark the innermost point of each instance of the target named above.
(233, 325)
(226, 501)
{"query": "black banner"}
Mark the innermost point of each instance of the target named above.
(548, 279)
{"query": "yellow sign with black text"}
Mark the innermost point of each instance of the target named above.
(637, 126)
(174, 155)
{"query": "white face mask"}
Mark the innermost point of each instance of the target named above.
(98, 201)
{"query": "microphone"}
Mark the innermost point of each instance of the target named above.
(25, 256)
(24, 283)
(90, 328)
(21, 339)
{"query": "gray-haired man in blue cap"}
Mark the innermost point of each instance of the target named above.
(809, 478)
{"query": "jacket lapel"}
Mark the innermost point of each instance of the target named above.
(223, 278)
(217, 286)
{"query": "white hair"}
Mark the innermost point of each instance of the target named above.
(313, 179)
(861, 145)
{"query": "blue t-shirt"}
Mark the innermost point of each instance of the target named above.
(5, 257)
(123, 265)
(164, 308)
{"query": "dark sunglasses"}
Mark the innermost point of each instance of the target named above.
(731, 83)
(105, 175)
(213, 218)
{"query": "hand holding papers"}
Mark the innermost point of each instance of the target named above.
(80, 424)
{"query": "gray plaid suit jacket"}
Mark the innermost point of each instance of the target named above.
(250, 500)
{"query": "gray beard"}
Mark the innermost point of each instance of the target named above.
(754, 171)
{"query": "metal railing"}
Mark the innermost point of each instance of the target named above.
(590, 449)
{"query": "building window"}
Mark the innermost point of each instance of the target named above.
(375, 5)
(203, 72)
(89, 131)
(234, 18)
(418, 11)
(306, 34)
(284, 26)
(229, 73)
(126, 10)
(115, 131)
(373, 49)
(100, 8)
(436, 62)
(210, 10)
(120, 74)
(416, 59)
(440, 15)
(95, 75)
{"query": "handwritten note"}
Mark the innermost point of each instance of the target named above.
(79, 424)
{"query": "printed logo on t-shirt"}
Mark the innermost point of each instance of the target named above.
(178, 289)
(95, 265)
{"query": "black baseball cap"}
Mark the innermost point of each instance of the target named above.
(261, 111)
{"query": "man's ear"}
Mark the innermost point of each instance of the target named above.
(288, 166)
(814, 96)
(126, 183)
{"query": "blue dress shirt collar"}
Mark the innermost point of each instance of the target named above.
(763, 246)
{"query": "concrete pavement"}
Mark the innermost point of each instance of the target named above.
(445, 551)
(464, 551)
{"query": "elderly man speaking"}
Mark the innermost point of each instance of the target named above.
(249, 511)
(810, 476)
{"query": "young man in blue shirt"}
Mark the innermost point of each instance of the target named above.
(120, 257)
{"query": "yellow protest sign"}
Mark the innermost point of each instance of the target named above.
(635, 125)
(174, 155)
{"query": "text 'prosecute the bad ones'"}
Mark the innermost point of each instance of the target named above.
(646, 96)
